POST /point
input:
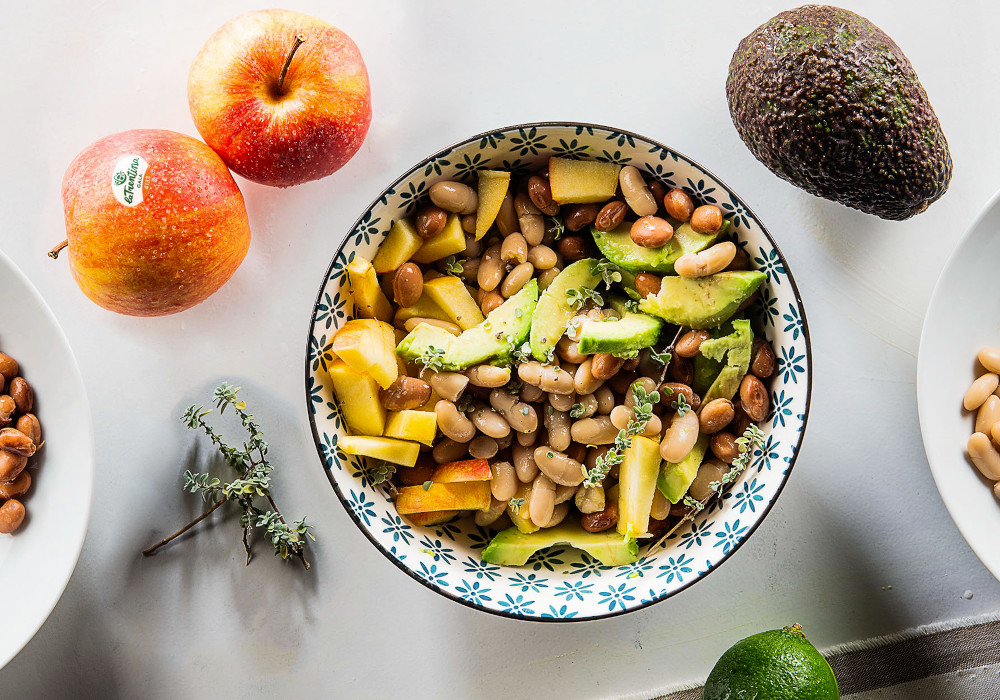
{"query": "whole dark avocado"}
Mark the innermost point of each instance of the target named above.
(826, 100)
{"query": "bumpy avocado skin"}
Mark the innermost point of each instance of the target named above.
(828, 101)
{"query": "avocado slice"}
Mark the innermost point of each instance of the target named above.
(735, 349)
(675, 478)
(425, 340)
(828, 102)
(511, 547)
(554, 310)
(617, 246)
(633, 331)
(504, 329)
(704, 302)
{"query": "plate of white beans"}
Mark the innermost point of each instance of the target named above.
(958, 375)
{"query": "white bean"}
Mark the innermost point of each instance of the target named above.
(635, 191)
(680, 437)
(524, 463)
(984, 456)
(990, 359)
(988, 415)
(503, 482)
(980, 390)
(453, 422)
(542, 500)
(707, 262)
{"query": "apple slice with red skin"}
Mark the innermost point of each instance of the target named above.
(432, 518)
(469, 495)
(463, 470)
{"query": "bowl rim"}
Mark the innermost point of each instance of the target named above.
(518, 616)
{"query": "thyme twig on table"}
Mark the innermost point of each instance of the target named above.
(252, 484)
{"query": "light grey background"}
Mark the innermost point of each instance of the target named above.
(860, 513)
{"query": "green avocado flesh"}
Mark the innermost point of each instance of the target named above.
(705, 302)
(511, 547)
(424, 340)
(554, 310)
(617, 246)
(735, 349)
(504, 329)
(675, 478)
(827, 101)
(631, 332)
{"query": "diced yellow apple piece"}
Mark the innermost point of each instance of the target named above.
(493, 186)
(463, 470)
(450, 241)
(582, 181)
(519, 515)
(368, 345)
(438, 517)
(369, 301)
(419, 426)
(424, 308)
(385, 364)
(398, 247)
(637, 485)
(389, 449)
(353, 344)
(451, 294)
(357, 393)
(463, 495)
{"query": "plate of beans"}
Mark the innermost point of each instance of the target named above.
(46, 459)
(519, 438)
(958, 373)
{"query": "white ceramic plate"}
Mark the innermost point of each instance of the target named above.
(963, 316)
(37, 561)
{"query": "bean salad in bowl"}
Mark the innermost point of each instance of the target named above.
(547, 369)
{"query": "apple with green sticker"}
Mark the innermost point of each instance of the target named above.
(155, 222)
(282, 96)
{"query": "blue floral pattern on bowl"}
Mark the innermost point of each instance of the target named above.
(562, 584)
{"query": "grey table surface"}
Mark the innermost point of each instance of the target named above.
(859, 544)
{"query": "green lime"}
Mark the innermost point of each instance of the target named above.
(774, 665)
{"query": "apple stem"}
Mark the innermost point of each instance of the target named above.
(299, 40)
(54, 253)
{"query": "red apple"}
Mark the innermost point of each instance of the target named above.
(283, 97)
(464, 495)
(154, 222)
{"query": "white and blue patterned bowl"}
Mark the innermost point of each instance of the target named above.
(561, 583)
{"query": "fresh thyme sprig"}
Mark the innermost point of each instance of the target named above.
(515, 504)
(660, 358)
(577, 410)
(752, 439)
(522, 353)
(642, 411)
(432, 358)
(578, 296)
(680, 404)
(558, 228)
(252, 484)
(452, 266)
(381, 472)
(608, 271)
